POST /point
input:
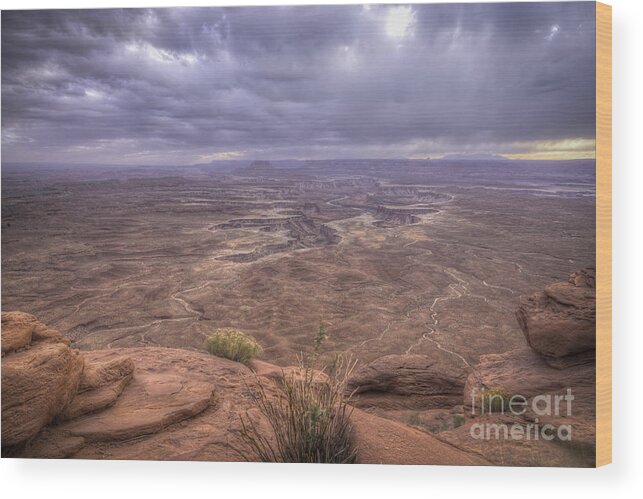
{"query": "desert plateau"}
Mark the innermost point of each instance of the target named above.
(412, 266)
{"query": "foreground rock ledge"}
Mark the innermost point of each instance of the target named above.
(409, 382)
(160, 404)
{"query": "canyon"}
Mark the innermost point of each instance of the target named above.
(412, 266)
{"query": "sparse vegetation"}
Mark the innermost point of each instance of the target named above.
(309, 416)
(232, 344)
(458, 420)
(435, 425)
(495, 400)
(414, 419)
(321, 336)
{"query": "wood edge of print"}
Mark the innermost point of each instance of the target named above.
(603, 234)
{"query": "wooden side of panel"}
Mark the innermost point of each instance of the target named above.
(603, 234)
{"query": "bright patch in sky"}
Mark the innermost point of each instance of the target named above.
(553, 32)
(93, 94)
(399, 22)
(160, 55)
(218, 156)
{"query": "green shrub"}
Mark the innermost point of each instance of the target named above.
(232, 344)
(309, 419)
(495, 400)
(414, 419)
(319, 339)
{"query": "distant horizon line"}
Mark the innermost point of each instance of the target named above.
(496, 158)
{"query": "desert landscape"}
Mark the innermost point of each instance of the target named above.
(405, 257)
(317, 234)
(408, 264)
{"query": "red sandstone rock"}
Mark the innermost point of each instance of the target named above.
(37, 384)
(409, 381)
(100, 386)
(560, 322)
(559, 325)
(179, 405)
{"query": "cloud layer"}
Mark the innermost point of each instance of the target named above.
(179, 86)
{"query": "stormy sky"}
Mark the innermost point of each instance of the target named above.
(181, 86)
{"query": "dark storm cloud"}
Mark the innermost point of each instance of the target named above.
(182, 85)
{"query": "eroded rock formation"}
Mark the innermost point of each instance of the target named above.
(301, 231)
(558, 362)
(393, 217)
(45, 381)
(40, 377)
(559, 323)
(409, 381)
(160, 403)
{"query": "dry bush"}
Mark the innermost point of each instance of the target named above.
(232, 344)
(495, 400)
(309, 418)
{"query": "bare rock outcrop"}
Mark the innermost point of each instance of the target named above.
(553, 379)
(392, 217)
(525, 373)
(538, 441)
(20, 329)
(383, 441)
(56, 400)
(503, 451)
(37, 384)
(167, 393)
(409, 381)
(100, 385)
(152, 402)
(161, 403)
(176, 405)
(559, 323)
(19, 336)
(45, 381)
